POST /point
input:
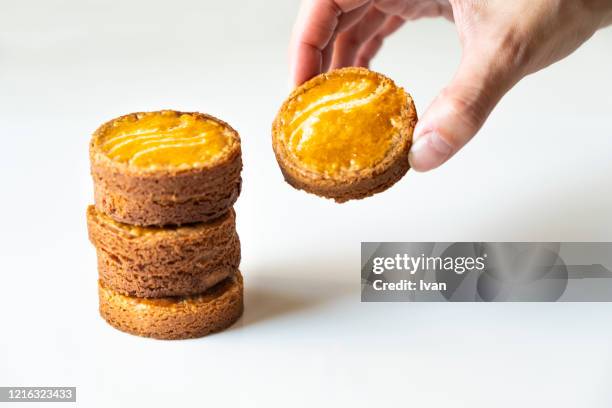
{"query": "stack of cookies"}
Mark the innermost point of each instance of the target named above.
(163, 223)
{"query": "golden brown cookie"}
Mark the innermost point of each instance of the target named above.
(345, 134)
(175, 317)
(159, 262)
(166, 167)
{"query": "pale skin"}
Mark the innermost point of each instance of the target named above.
(502, 42)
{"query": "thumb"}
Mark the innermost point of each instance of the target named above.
(459, 111)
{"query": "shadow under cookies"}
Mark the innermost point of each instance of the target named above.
(289, 287)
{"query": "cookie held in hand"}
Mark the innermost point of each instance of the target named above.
(345, 134)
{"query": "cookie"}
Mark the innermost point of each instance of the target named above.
(345, 134)
(174, 317)
(159, 262)
(165, 168)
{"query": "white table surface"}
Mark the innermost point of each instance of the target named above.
(539, 170)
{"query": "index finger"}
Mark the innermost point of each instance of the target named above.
(317, 24)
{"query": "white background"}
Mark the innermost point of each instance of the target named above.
(539, 170)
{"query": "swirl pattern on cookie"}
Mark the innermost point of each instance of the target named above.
(166, 139)
(346, 123)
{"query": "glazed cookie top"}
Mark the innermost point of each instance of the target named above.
(343, 121)
(165, 140)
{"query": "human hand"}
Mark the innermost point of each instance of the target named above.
(502, 41)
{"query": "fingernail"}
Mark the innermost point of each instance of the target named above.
(428, 152)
